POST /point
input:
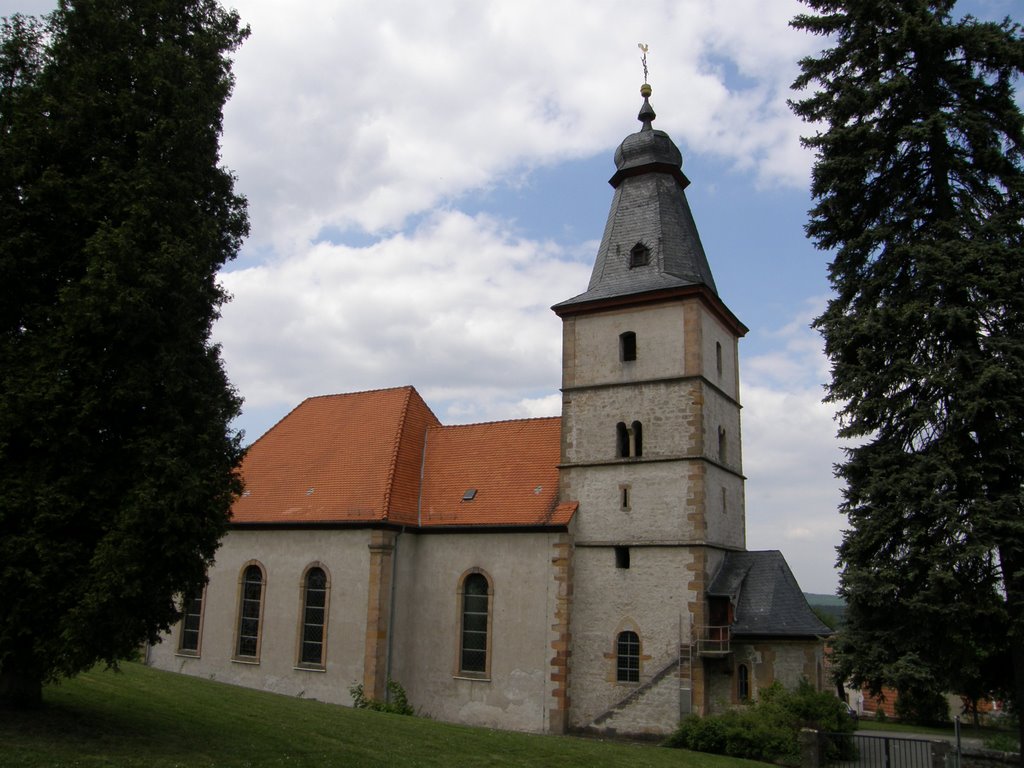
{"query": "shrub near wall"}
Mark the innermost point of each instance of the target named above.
(767, 730)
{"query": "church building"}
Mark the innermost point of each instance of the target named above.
(587, 572)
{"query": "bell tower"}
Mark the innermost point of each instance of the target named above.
(651, 448)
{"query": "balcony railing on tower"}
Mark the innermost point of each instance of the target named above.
(713, 641)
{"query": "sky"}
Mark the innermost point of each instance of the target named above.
(426, 179)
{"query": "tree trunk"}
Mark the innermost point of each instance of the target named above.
(19, 690)
(1013, 584)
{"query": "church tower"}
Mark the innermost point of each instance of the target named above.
(650, 450)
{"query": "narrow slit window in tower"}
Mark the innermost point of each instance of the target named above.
(622, 557)
(627, 346)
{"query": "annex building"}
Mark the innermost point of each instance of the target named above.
(587, 571)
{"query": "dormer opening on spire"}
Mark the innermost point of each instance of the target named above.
(639, 256)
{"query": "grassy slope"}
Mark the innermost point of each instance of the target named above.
(141, 717)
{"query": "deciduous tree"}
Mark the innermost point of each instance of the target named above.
(117, 458)
(919, 194)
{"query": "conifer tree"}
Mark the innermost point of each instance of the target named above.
(919, 194)
(117, 459)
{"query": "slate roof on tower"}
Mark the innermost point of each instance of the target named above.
(383, 457)
(649, 212)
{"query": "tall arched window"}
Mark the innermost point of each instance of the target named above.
(313, 638)
(627, 653)
(191, 625)
(250, 613)
(743, 682)
(475, 624)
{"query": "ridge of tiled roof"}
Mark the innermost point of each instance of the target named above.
(766, 598)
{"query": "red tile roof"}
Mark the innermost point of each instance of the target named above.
(335, 459)
(512, 466)
(359, 458)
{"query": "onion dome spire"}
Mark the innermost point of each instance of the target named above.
(650, 243)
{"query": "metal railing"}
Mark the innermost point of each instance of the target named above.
(714, 641)
(855, 750)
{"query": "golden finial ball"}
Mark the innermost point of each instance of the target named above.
(645, 90)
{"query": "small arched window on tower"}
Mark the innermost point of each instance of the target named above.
(639, 256)
(627, 657)
(722, 444)
(718, 356)
(621, 440)
(627, 346)
(629, 441)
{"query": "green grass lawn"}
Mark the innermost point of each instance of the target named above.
(145, 718)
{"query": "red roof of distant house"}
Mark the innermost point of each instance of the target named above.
(382, 456)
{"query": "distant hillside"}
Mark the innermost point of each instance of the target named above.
(828, 604)
(833, 600)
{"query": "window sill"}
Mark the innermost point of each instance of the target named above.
(481, 678)
(187, 654)
(253, 662)
(309, 668)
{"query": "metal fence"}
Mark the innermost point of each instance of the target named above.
(854, 750)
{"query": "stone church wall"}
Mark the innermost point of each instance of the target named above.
(595, 341)
(517, 692)
(284, 555)
(649, 598)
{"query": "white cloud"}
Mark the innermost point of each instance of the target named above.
(789, 450)
(361, 114)
(459, 307)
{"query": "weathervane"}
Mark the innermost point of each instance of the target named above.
(643, 59)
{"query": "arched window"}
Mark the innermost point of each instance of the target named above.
(638, 438)
(476, 617)
(191, 625)
(314, 618)
(627, 653)
(722, 443)
(621, 440)
(743, 683)
(627, 346)
(250, 613)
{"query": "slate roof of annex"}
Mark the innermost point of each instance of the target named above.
(767, 601)
(382, 456)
